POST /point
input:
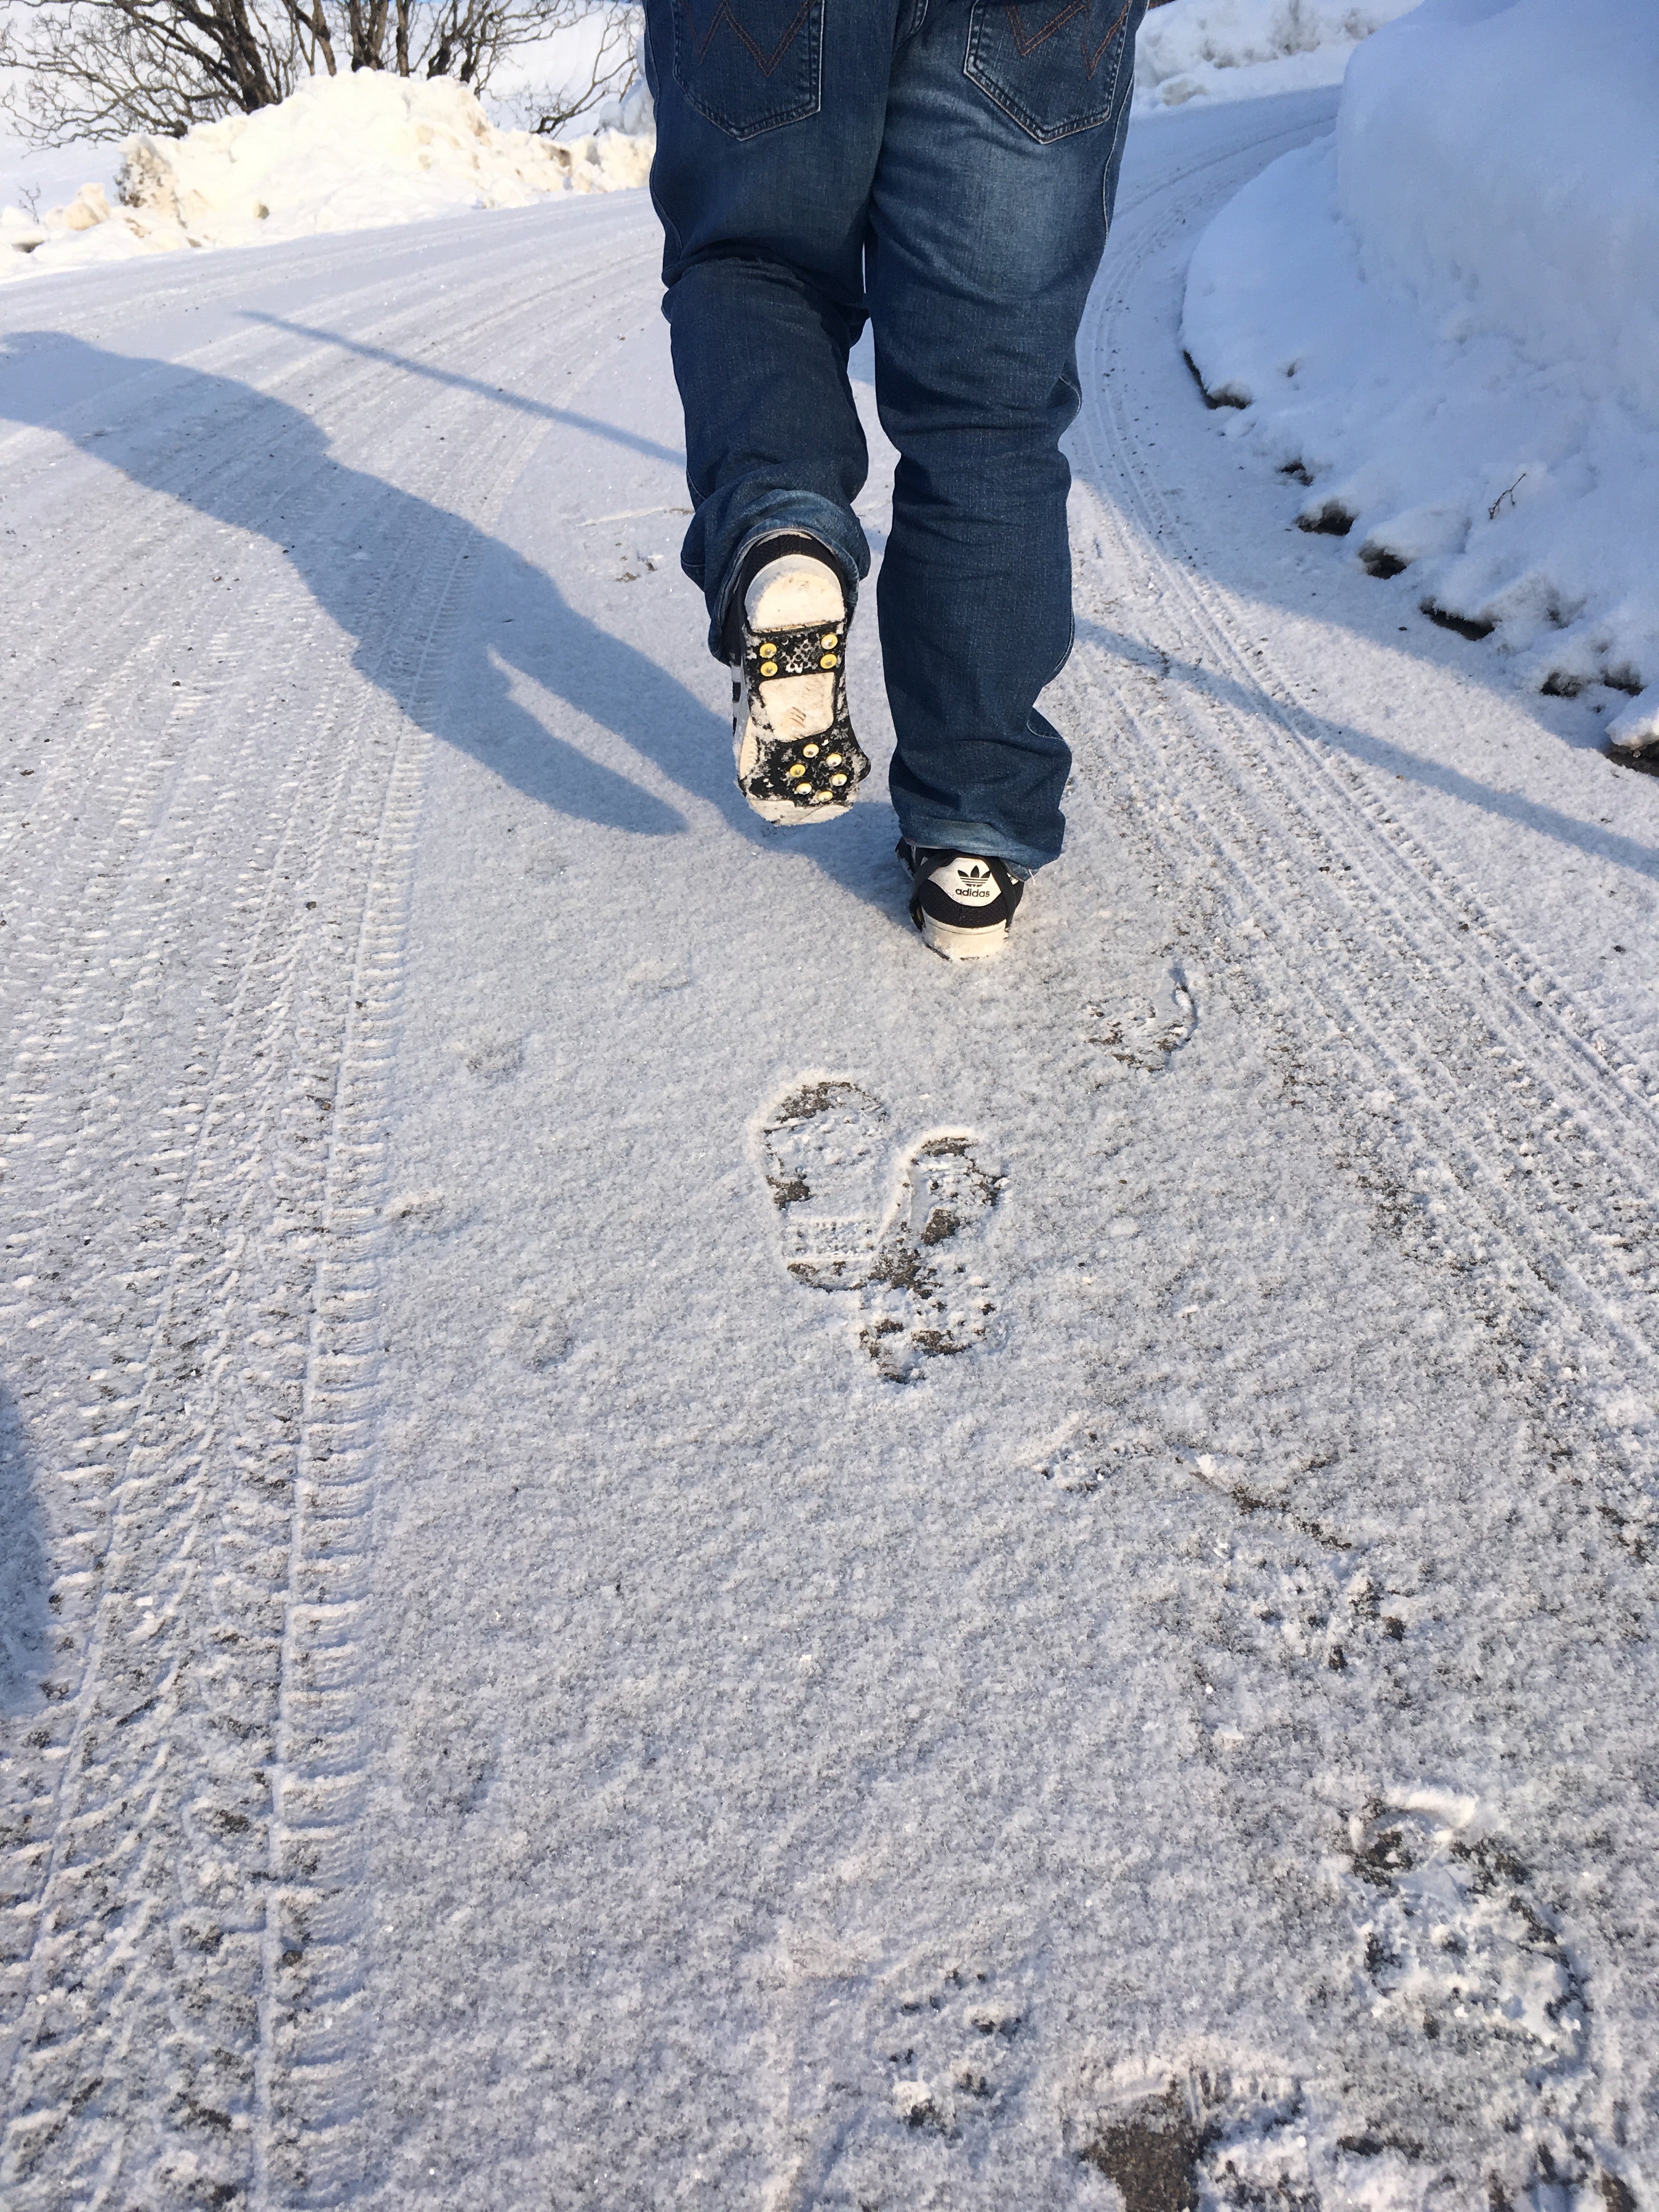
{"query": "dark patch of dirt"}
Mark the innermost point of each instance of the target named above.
(1331, 520)
(900, 1265)
(1223, 398)
(1474, 631)
(1378, 561)
(1151, 2155)
(1388, 1853)
(1247, 1502)
(814, 1098)
(936, 1342)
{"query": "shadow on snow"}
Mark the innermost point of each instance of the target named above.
(343, 531)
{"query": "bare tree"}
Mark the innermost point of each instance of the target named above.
(613, 63)
(105, 68)
(101, 68)
(367, 26)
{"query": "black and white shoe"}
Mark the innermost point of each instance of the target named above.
(798, 759)
(964, 906)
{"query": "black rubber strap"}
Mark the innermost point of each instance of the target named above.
(777, 547)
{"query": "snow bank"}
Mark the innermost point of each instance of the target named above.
(346, 153)
(1446, 320)
(1241, 49)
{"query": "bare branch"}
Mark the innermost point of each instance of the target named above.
(103, 69)
(613, 65)
(106, 68)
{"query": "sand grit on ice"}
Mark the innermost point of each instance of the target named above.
(346, 153)
(1446, 320)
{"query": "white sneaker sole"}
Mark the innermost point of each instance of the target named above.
(953, 943)
(797, 817)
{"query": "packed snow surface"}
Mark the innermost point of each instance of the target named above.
(344, 153)
(1244, 49)
(656, 1551)
(1445, 318)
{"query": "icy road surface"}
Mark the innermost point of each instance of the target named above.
(660, 1552)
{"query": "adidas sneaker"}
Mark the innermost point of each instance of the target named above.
(963, 905)
(798, 759)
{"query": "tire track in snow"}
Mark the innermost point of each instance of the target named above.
(188, 2012)
(1474, 1100)
(1501, 1145)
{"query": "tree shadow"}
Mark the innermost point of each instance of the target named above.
(342, 529)
(25, 1614)
(520, 401)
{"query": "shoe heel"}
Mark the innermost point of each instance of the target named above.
(953, 943)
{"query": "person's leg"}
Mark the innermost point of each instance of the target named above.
(989, 214)
(769, 116)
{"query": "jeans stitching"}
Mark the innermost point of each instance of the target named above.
(1029, 45)
(691, 50)
(1091, 61)
(723, 14)
(1026, 43)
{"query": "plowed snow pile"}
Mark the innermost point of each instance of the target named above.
(1445, 320)
(1241, 49)
(346, 153)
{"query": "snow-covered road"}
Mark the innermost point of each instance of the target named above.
(512, 1698)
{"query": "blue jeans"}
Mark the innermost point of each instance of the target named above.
(946, 169)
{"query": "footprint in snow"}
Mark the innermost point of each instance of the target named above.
(1453, 1941)
(908, 1251)
(1171, 2140)
(544, 864)
(652, 977)
(491, 1056)
(946, 2042)
(430, 1212)
(1146, 1032)
(536, 1334)
(885, 2071)
(1234, 2140)
(1470, 2003)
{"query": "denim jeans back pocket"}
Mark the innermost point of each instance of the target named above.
(1053, 66)
(750, 65)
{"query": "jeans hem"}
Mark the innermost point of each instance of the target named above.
(806, 517)
(943, 835)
